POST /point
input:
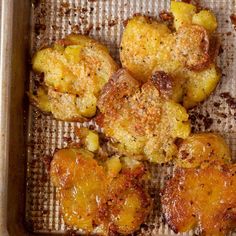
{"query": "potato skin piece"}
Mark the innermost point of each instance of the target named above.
(202, 149)
(203, 198)
(141, 119)
(75, 70)
(191, 63)
(93, 199)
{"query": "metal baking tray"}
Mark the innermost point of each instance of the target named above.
(28, 201)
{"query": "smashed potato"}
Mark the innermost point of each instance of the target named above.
(75, 70)
(203, 198)
(129, 203)
(99, 198)
(188, 54)
(82, 183)
(202, 148)
(141, 119)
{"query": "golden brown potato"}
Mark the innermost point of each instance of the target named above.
(99, 198)
(203, 198)
(186, 14)
(206, 19)
(69, 107)
(64, 106)
(75, 70)
(192, 54)
(200, 85)
(187, 54)
(183, 13)
(141, 46)
(202, 148)
(82, 185)
(141, 120)
(129, 203)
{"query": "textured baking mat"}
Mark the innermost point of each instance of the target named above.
(103, 20)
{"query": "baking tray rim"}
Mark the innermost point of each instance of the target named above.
(6, 20)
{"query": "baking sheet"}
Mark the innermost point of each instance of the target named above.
(103, 20)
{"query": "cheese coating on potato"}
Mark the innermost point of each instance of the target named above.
(187, 54)
(99, 198)
(141, 119)
(75, 70)
(203, 198)
(202, 149)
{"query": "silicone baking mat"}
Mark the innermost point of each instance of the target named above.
(104, 20)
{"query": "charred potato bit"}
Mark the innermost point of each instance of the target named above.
(99, 198)
(202, 148)
(75, 70)
(203, 198)
(187, 54)
(141, 119)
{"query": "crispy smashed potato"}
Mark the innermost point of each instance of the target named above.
(202, 148)
(141, 119)
(203, 198)
(82, 185)
(75, 70)
(188, 54)
(129, 204)
(99, 198)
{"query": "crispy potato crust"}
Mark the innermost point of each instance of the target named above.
(194, 53)
(141, 119)
(99, 198)
(202, 149)
(75, 70)
(188, 55)
(65, 106)
(203, 198)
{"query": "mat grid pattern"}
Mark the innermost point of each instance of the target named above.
(103, 20)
